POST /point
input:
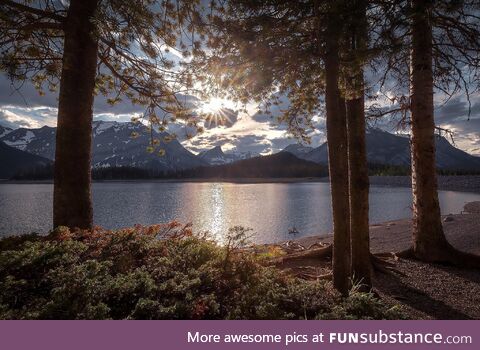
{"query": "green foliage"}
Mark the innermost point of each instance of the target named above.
(361, 305)
(265, 51)
(158, 272)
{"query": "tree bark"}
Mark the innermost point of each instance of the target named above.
(357, 154)
(359, 188)
(337, 159)
(429, 242)
(72, 205)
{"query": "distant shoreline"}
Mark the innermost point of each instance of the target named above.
(186, 180)
(459, 183)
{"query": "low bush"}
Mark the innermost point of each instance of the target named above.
(159, 272)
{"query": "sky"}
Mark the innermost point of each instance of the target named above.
(250, 131)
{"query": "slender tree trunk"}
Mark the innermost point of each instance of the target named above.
(429, 242)
(72, 199)
(359, 187)
(357, 154)
(337, 159)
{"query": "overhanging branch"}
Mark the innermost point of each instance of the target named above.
(32, 10)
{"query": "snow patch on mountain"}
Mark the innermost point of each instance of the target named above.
(392, 149)
(113, 145)
(216, 156)
(4, 130)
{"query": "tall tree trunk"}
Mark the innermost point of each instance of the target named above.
(72, 205)
(337, 159)
(429, 241)
(357, 154)
(359, 187)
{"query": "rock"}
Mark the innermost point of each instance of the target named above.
(448, 219)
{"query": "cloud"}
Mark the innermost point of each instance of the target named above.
(225, 117)
(25, 96)
(254, 131)
(466, 134)
(33, 117)
(269, 114)
(457, 109)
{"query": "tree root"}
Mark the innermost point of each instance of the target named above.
(382, 263)
(447, 255)
(314, 253)
(314, 277)
(405, 254)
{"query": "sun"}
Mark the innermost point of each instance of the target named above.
(218, 111)
(216, 104)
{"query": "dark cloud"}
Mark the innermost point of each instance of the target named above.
(224, 117)
(22, 106)
(269, 119)
(23, 94)
(457, 108)
(26, 96)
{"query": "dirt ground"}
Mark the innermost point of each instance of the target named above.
(424, 291)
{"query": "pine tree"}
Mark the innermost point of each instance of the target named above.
(443, 41)
(87, 47)
(259, 50)
(429, 241)
(337, 142)
(356, 56)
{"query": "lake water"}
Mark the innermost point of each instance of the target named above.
(269, 209)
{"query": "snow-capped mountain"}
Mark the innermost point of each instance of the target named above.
(128, 144)
(35, 141)
(114, 144)
(216, 156)
(386, 148)
(4, 130)
(317, 155)
(245, 155)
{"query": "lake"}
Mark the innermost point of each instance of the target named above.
(270, 209)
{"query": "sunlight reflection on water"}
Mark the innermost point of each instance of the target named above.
(269, 209)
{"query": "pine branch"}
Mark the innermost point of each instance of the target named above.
(32, 10)
(41, 26)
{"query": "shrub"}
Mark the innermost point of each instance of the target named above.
(158, 272)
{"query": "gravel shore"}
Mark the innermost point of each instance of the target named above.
(423, 290)
(466, 183)
(462, 231)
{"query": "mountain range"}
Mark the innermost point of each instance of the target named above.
(390, 149)
(118, 144)
(279, 165)
(4, 130)
(216, 156)
(114, 145)
(14, 160)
